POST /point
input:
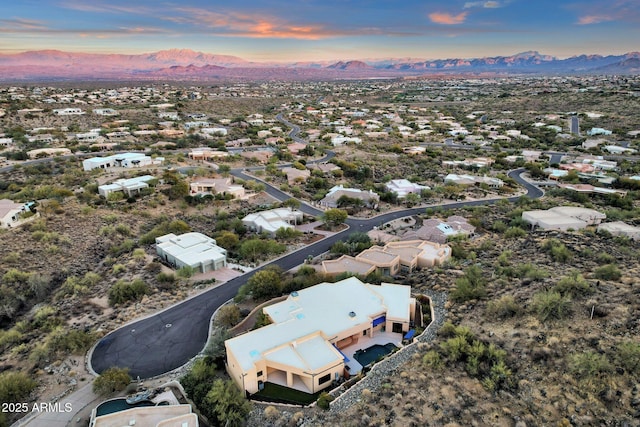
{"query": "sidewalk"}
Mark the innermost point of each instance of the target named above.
(80, 404)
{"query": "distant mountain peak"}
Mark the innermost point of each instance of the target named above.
(350, 65)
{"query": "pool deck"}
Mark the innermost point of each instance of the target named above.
(355, 368)
(381, 338)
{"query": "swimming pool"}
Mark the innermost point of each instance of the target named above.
(117, 405)
(369, 355)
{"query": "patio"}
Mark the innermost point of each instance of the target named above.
(280, 377)
(366, 342)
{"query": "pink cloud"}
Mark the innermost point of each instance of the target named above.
(593, 19)
(447, 18)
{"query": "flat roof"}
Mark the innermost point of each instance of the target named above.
(346, 264)
(377, 255)
(191, 248)
(150, 416)
(323, 310)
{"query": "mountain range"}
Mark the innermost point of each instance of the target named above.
(188, 64)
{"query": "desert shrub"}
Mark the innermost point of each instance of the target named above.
(324, 400)
(112, 380)
(628, 355)
(124, 291)
(15, 386)
(186, 272)
(605, 258)
(505, 307)
(9, 338)
(70, 341)
(557, 250)
(166, 278)
(125, 247)
(471, 286)
(226, 403)
(550, 305)
(432, 360)
(608, 272)
(514, 233)
(228, 315)
(573, 285)
(588, 365)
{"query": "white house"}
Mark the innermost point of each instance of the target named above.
(194, 250)
(563, 218)
(124, 160)
(271, 220)
(68, 112)
(403, 187)
(305, 347)
(129, 186)
(105, 112)
(341, 140)
(217, 131)
(11, 212)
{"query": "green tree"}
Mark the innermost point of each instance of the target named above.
(228, 315)
(334, 217)
(266, 283)
(112, 380)
(228, 240)
(229, 405)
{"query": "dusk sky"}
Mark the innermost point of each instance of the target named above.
(306, 30)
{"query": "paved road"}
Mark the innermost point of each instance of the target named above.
(169, 339)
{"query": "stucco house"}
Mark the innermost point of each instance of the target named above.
(619, 228)
(271, 220)
(129, 187)
(223, 186)
(563, 218)
(369, 198)
(296, 176)
(403, 187)
(436, 230)
(304, 348)
(390, 259)
(124, 160)
(194, 250)
(12, 212)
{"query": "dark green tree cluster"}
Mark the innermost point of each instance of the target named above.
(220, 401)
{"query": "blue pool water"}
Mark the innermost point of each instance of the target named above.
(369, 355)
(117, 405)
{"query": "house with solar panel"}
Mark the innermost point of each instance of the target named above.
(321, 335)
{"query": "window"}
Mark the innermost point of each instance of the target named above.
(364, 333)
(324, 379)
(259, 374)
(397, 328)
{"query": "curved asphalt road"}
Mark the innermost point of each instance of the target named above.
(165, 341)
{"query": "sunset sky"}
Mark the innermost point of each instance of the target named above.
(306, 30)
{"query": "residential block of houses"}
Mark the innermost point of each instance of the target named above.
(302, 347)
(194, 250)
(271, 220)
